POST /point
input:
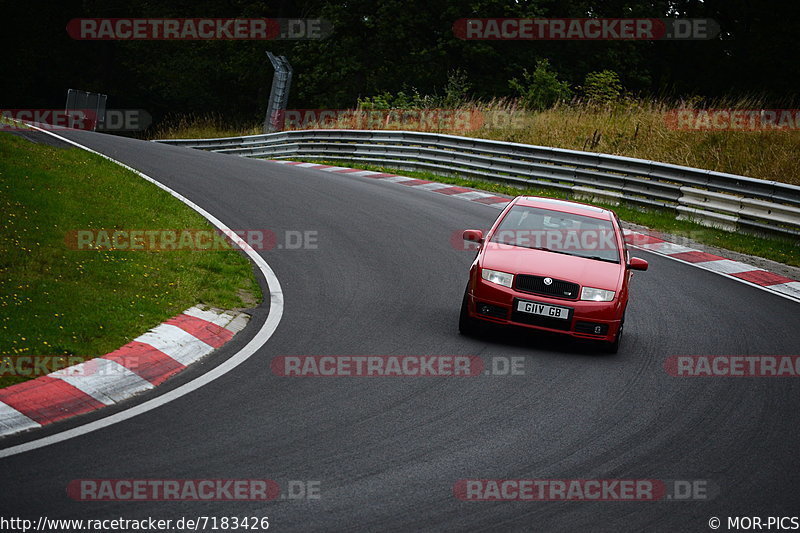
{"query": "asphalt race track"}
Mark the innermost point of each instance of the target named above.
(386, 280)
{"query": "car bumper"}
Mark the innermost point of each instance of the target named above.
(587, 320)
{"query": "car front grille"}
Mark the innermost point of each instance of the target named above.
(536, 285)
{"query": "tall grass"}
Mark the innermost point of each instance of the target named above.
(638, 128)
(201, 127)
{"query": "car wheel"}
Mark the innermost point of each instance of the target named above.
(613, 347)
(466, 324)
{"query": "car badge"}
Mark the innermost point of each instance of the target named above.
(548, 281)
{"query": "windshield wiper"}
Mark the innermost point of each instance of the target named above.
(595, 257)
(598, 258)
(543, 249)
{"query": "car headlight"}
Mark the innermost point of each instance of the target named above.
(500, 278)
(596, 295)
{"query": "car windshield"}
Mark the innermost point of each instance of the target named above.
(557, 232)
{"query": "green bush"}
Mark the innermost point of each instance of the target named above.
(455, 95)
(401, 100)
(602, 88)
(541, 89)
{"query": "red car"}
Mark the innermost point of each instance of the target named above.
(551, 265)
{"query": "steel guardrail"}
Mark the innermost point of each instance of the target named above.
(725, 201)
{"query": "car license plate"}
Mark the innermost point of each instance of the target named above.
(551, 311)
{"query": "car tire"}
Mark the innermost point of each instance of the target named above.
(613, 347)
(466, 324)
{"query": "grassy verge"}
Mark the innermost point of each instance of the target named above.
(6, 123)
(55, 300)
(784, 251)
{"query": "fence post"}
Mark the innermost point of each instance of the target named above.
(279, 94)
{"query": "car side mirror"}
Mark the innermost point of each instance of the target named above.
(638, 264)
(473, 235)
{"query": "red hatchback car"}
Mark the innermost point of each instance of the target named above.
(551, 265)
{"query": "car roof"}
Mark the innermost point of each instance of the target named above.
(564, 206)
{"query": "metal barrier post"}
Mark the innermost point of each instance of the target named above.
(279, 93)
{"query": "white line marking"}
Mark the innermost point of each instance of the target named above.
(260, 338)
(433, 186)
(176, 343)
(792, 288)
(727, 266)
(472, 195)
(396, 179)
(238, 323)
(667, 248)
(12, 421)
(364, 173)
(331, 169)
(106, 381)
(219, 319)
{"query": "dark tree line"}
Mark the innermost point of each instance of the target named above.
(386, 45)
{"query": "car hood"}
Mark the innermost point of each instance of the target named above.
(585, 272)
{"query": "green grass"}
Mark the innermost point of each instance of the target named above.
(8, 123)
(784, 251)
(55, 300)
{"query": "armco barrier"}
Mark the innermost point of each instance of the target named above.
(715, 199)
